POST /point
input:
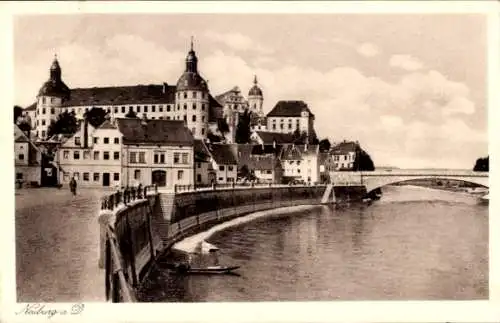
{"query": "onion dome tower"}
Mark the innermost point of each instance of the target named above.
(50, 97)
(192, 98)
(255, 98)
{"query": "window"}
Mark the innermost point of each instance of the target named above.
(185, 117)
(185, 95)
(86, 155)
(116, 155)
(281, 126)
(160, 108)
(203, 107)
(77, 141)
(176, 158)
(153, 108)
(86, 177)
(21, 157)
(230, 168)
(193, 131)
(132, 157)
(52, 111)
(203, 118)
(180, 174)
(65, 154)
(194, 118)
(142, 157)
(96, 155)
(269, 171)
(168, 108)
(117, 140)
(274, 126)
(106, 140)
(194, 95)
(43, 100)
(43, 110)
(168, 118)
(289, 126)
(159, 158)
(202, 131)
(138, 108)
(230, 179)
(221, 167)
(198, 165)
(185, 106)
(43, 133)
(96, 140)
(76, 175)
(145, 108)
(137, 174)
(153, 118)
(96, 177)
(198, 177)
(19, 175)
(116, 109)
(178, 107)
(66, 176)
(194, 106)
(123, 109)
(105, 155)
(76, 154)
(221, 179)
(116, 176)
(184, 158)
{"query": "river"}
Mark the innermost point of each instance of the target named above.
(413, 244)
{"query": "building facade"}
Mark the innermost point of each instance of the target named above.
(344, 155)
(288, 116)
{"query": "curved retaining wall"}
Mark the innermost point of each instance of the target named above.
(145, 228)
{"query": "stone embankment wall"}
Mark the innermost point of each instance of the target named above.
(145, 228)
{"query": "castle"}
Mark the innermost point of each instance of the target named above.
(189, 100)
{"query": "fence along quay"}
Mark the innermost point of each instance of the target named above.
(139, 225)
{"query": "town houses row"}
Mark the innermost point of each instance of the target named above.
(129, 151)
(167, 144)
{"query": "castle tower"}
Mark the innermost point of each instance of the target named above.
(50, 97)
(256, 99)
(192, 98)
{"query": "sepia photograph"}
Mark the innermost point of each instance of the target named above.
(195, 157)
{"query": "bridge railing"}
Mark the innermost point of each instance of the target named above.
(126, 195)
(229, 186)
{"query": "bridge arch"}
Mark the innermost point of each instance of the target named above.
(373, 182)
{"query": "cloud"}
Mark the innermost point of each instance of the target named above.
(237, 41)
(368, 50)
(406, 62)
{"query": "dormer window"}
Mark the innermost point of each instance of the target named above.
(77, 141)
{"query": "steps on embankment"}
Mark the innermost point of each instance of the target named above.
(326, 196)
(163, 214)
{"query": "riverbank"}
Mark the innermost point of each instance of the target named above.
(188, 244)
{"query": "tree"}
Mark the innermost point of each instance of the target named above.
(18, 111)
(245, 173)
(324, 145)
(482, 164)
(65, 124)
(213, 138)
(96, 116)
(131, 114)
(222, 125)
(362, 160)
(242, 135)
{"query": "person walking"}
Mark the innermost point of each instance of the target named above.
(72, 186)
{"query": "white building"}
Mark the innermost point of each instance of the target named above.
(225, 163)
(287, 116)
(27, 159)
(300, 163)
(344, 155)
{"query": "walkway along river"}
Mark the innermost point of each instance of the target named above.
(413, 244)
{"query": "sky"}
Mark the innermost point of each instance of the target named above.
(411, 88)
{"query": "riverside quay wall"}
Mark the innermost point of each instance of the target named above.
(138, 226)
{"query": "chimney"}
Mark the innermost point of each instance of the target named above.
(85, 132)
(274, 144)
(165, 85)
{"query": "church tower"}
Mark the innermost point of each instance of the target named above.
(256, 99)
(49, 100)
(192, 98)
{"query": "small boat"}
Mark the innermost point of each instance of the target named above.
(213, 270)
(195, 265)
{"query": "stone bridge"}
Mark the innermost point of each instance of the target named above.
(378, 178)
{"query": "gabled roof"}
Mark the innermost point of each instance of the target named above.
(223, 154)
(31, 107)
(107, 124)
(263, 163)
(267, 150)
(344, 148)
(296, 152)
(157, 131)
(268, 138)
(289, 109)
(116, 95)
